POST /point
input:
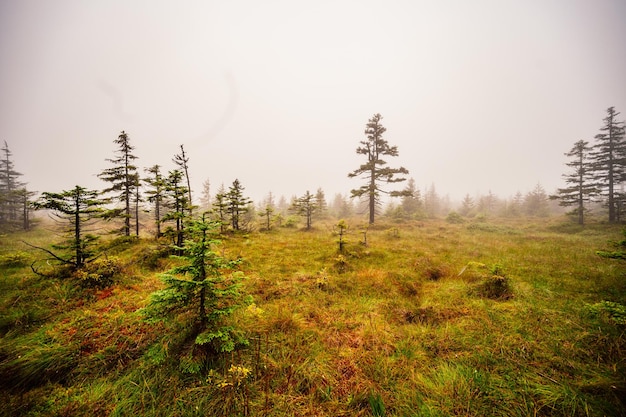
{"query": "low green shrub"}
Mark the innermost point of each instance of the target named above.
(99, 273)
(455, 218)
(15, 259)
(496, 286)
(151, 257)
(614, 312)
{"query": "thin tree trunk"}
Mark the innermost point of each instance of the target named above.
(372, 202)
(79, 251)
(137, 209)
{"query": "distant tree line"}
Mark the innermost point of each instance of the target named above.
(598, 173)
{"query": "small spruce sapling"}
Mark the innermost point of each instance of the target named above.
(341, 229)
(205, 288)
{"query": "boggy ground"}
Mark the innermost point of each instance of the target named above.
(498, 318)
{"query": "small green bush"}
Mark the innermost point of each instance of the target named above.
(99, 273)
(455, 218)
(615, 312)
(15, 259)
(341, 264)
(151, 257)
(496, 286)
(291, 222)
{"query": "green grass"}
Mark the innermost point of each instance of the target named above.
(409, 325)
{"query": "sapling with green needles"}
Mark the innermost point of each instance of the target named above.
(341, 228)
(207, 283)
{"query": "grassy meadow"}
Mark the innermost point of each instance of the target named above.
(429, 318)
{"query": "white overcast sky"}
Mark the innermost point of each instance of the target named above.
(479, 96)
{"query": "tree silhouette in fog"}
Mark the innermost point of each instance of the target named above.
(124, 179)
(608, 159)
(580, 181)
(375, 170)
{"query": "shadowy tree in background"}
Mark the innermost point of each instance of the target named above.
(23, 199)
(137, 200)
(320, 202)
(467, 205)
(536, 202)
(220, 207)
(342, 206)
(124, 180)
(411, 203)
(374, 170)
(176, 202)
(487, 203)
(580, 181)
(236, 204)
(181, 161)
(76, 209)
(156, 195)
(516, 205)
(608, 161)
(205, 196)
(267, 214)
(14, 198)
(432, 202)
(266, 211)
(305, 206)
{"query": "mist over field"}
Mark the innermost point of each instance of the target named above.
(328, 208)
(479, 97)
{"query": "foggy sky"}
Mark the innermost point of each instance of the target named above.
(478, 96)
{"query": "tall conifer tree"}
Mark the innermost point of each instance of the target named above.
(181, 160)
(237, 204)
(608, 159)
(177, 204)
(580, 181)
(156, 195)
(306, 206)
(374, 170)
(9, 186)
(220, 207)
(123, 177)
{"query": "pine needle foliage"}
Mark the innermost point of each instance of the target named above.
(76, 210)
(580, 186)
(375, 170)
(124, 179)
(204, 290)
(608, 161)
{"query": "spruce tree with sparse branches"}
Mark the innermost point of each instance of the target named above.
(374, 170)
(580, 181)
(177, 205)
(156, 195)
(608, 161)
(14, 198)
(123, 177)
(76, 210)
(305, 206)
(237, 204)
(220, 207)
(181, 160)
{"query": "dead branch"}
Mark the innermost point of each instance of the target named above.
(64, 261)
